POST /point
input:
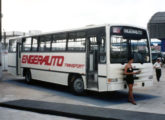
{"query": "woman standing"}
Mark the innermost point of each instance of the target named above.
(128, 71)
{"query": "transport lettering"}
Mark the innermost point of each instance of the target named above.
(43, 60)
(74, 65)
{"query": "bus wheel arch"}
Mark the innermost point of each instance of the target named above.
(76, 83)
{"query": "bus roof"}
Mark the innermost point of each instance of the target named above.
(75, 29)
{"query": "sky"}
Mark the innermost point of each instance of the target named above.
(52, 15)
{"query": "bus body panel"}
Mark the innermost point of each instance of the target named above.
(50, 76)
(12, 63)
(53, 67)
(102, 84)
(102, 77)
(145, 78)
(102, 70)
(60, 62)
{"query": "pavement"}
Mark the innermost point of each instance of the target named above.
(149, 100)
(13, 114)
(79, 111)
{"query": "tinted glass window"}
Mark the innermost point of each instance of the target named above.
(102, 49)
(12, 46)
(76, 41)
(59, 42)
(122, 49)
(35, 44)
(27, 44)
(97, 43)
(129, 41)
(45, 43)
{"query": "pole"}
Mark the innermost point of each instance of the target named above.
(0, 40)
(0, 22)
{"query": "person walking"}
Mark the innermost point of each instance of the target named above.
(157, 67)
(128, 71)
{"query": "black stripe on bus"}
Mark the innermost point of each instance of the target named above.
(102, 76)
(59, 71)
(11, 66)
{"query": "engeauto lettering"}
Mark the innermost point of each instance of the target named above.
(43, 60)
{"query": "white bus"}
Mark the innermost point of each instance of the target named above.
(90, 58)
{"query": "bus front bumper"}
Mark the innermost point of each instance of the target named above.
(123, 85)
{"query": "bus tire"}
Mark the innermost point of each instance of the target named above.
(77, 86)
(28, 78)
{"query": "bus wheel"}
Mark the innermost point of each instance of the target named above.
(78, 86)
(28, 77)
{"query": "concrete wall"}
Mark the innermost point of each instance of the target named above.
(4, 59)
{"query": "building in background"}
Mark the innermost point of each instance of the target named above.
(4, 47)
(156, 45)
(156, 28)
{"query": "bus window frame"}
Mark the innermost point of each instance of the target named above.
(124, 37)
(23, 40)
(37, 44)
(75, 37)
(50, 35)
(54, 39)
(9, 50)
(92, 32)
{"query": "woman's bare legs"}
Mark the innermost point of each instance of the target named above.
(130, 94)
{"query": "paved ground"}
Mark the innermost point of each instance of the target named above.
(11, 114)
(148, 99)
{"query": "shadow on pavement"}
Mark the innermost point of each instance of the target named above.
(94, 98)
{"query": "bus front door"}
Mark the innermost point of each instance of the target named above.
(18, 59)
(92, 63)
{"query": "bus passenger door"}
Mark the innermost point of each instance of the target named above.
(92, 63)
(18, 59)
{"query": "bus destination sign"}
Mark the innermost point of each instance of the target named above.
(132, 31)
(128, 32)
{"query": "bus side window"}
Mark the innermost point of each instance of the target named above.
(102, 49)
(35, 44)
(59, 42)
(41, 44)
(12, 46)
(97, 43)
(45, 43)
(93, 43)
(76, 41)
(27, 44)
(48, 40)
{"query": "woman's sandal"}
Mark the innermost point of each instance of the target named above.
(133, 102)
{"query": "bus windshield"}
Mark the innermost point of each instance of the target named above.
(131, 42)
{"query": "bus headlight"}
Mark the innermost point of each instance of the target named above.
(150, 77)
(112, 80)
